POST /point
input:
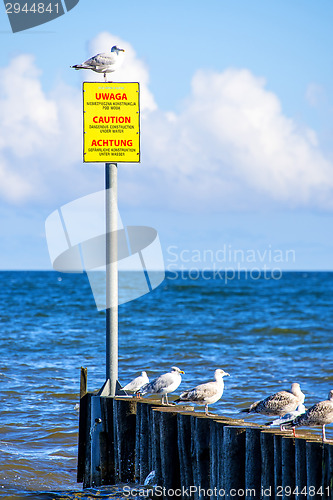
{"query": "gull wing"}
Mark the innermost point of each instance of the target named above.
(102, 59)
(275, 403)
(200, 393)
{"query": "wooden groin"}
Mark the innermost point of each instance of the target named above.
(122, 440)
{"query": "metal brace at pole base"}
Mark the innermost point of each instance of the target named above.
(105, 391)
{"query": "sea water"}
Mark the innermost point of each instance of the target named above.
(267, 333)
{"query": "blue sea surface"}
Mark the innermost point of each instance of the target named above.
(267, 333)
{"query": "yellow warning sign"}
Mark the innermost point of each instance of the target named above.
(111, 122)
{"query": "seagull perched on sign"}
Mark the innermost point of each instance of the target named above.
(104, 63)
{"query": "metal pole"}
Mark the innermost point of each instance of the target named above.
(111, 213)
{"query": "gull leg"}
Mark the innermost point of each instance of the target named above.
(207, 412)
(166, 398)
(324, 434)
(282, 428)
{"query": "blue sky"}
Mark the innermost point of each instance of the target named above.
(237, 121)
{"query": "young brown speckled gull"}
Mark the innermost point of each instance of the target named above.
(280, 403)
(205, 394)
(164, 384)
(136, 384)
(320, 414)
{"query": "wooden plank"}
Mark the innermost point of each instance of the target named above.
(300, 466)
(200, 441)
(267, 464)
(252, 462)
(234, 458)
(124, 425)
(106, 442)
(83, 381)
(277, 465)
(170, 473)
(184, 449)
(314, 453)
(288, 467)
(83, 445)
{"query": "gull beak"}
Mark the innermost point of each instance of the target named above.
(181, 371)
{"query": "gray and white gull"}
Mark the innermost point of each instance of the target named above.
(136, 384)
(205, 394)
(104, 62)
(320, 414)
(288, 417)
(279, 403)
(164, 384)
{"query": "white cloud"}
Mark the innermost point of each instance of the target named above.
(39, 133)
(230, 146)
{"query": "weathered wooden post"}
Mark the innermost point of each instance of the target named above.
(106, 438)
(252, 462)
(221, 454)
(83, 382)
(185, 448)
(170, 475)
(300, 466)
(214, 454)
(142, 442)
(267, 464)
(314, 454)
(156, 451)
(234, 458)
(124, 424)
(200, 440)
(277, 462)
(84, 437)
(328, 470)
(288, 467)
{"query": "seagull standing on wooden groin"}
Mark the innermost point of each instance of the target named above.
(205, 394)
(288, 417)
(320, 414)
(164, 384)
(136, 384)
(279, 403)
(104, 62)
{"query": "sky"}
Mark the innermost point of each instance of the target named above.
(236, 129)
